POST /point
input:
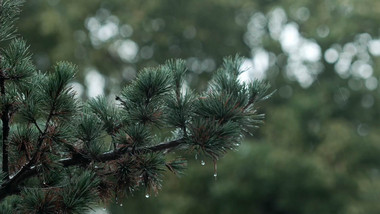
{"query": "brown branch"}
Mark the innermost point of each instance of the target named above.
(43, 134)
(12, 186)
(6, 129)
(5, 121)
(37, 126)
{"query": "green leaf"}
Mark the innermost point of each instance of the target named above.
(214, 138)
(107, 113)
(35, 200)
(10, 9)
(17, 62)
(134, 136)
(57, 97)
(89, 131)
(81, 194)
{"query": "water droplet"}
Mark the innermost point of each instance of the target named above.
(44, 182)
(203, 162)
(215, 169)
(104, 209)
(147, 195)
(196, 156)
(121, 204)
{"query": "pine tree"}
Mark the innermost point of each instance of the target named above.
(63, 155)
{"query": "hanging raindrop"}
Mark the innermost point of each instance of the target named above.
(147, 195)
(104, 209)
(196, 156)
(203, 162)
(215, 169)
(121, 204)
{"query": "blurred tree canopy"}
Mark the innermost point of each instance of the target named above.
(319, 150)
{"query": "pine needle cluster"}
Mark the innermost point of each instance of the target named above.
(62, 155)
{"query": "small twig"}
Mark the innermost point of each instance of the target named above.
(38, 127)
(120, 100)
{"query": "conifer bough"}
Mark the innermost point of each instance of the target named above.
(61, 155)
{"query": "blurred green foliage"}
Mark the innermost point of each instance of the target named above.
(319, 150)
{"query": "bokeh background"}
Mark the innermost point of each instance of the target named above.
(319, 150)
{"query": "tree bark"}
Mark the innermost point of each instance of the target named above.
(5, 120)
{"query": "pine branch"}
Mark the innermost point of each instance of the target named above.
(212, 123)
(12, 186)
